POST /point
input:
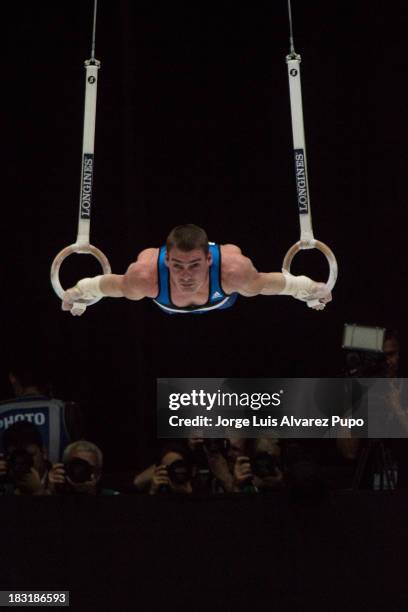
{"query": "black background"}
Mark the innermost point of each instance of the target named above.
(193, 125)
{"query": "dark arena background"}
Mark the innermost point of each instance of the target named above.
(193, 126)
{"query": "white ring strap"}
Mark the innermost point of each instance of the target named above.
(82, 244)
(307, 239)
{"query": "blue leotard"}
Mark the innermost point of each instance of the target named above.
(217, 298)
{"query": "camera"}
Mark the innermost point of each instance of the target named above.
(78, 470)
(179, 471)
(264, 464)
(365, 365)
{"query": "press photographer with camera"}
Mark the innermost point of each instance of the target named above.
(24, 465)
(215, 465)
(59, 422)
(173, 472)
(80, 473)
(210, 458)
(209, 465)
(381, 463)
(254, 465)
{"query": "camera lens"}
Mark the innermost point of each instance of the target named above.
(263, 465)
(78, 470)
(179, 472)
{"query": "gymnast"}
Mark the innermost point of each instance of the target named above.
(192, 275)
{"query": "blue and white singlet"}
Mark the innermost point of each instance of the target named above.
(217, 298)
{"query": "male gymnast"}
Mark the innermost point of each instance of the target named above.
(192, 275)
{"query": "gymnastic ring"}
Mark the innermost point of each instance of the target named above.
(320, 246)
(88, 249)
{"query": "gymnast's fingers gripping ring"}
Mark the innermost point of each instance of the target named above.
(327, 252)
(89, 249)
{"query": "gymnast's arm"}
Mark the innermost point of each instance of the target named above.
(138, 282)
(242, 277)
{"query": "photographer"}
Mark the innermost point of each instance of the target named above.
(24, 466)
(397, 402)
(209, 456)
(254, 465)
(210, 468)
(58, 421)
(80, 473)
(379, 463)
(173, 472)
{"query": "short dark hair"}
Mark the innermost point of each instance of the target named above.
(175, 447)
(187, 238)
(22, 434)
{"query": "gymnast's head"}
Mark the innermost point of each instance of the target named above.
(188, 257)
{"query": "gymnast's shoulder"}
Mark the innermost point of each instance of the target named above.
(236, 269)
(141, 276)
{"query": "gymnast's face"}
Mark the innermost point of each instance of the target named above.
(188, 270)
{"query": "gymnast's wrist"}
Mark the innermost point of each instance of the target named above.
(297, 286)
(90, 288)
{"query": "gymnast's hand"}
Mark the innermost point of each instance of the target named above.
(73, 300)
(85, 292)
(319, 291)
(307, 290)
